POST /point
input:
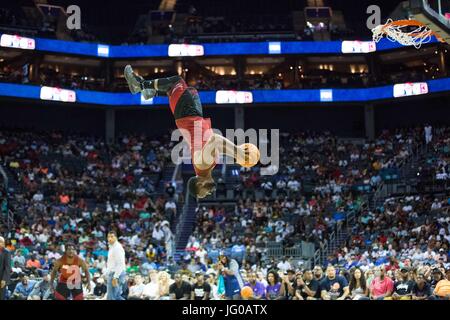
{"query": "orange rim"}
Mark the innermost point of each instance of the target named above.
(416, 23)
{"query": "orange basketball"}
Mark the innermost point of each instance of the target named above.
(246, 292)
(251, 157)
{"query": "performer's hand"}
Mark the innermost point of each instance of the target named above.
(2, 284)
(89, 287)
(115, 282)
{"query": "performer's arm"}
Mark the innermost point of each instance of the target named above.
(161, 85)
(54, 273)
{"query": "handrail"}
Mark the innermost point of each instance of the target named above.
(175, 172)
(10, 219)
(182, 215)
(5, 177)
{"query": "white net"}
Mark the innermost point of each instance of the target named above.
(407, 35)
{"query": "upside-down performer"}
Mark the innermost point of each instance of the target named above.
(205, 145)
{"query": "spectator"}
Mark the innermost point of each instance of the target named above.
(318, 273)
(284, 265)
(306, 287)
(229, 269)
(180, 289)
(358, 286)
(23, 289)
(100, 288)
(151, 289)
(421, 289)
(201, 290)
(403, 289)
(274, 289)
(259, 289)
(442, 290)
(33, 263)
(5, 268)
(381, 286)
(334, 287)
(41, 290)
(137, 289)
(19, 258)
(164, 285)
(436, 277)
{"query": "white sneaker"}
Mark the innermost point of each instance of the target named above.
(134, 81)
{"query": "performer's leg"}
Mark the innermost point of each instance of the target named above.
(137, 84)
(161, 85)
(77, 294)
(62, 291)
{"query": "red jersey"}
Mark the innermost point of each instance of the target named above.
(196, 132)
(186, 107)
(175, 93)
(70, 271)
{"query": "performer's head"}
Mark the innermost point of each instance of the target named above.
(71, 251)
(200, 187)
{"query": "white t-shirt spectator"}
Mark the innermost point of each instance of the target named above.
(158, 233)
(201, 253)
(436, 205)
(137, 290)
(38, 197)
(170, 205)
(293, 185)
(42, 238)
(281, 184)
(407, 208)
(284, 266)
(267, 185)
(151, 291)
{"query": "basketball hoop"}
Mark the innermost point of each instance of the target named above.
(406, 32)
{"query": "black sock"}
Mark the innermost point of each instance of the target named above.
(147, 84)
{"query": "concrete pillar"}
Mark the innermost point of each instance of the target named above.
(442, 65)
(35, 68)
(369, 121)
(110, 125)
(109, 72)
(239, 117)
(240, 64)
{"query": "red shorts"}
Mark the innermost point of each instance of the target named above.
(196, 131)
